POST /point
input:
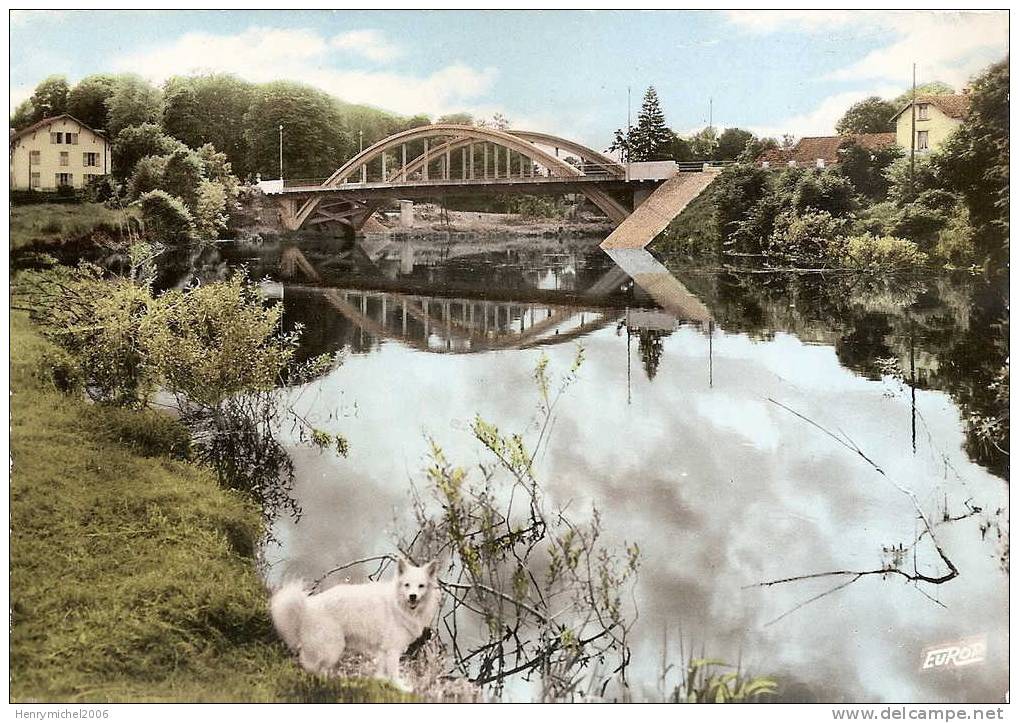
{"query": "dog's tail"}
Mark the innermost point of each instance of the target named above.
(287, 609)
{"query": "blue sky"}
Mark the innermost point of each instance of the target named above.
(563, 71)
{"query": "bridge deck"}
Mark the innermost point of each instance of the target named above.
(314, 189)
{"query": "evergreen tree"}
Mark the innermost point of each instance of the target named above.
(652, 138)
(649, 140)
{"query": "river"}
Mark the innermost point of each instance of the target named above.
(695, 425)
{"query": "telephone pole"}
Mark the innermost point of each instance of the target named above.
(281, 151)
(912, 138)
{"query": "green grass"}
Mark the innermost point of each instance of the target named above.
(132, 571)
(47, 224)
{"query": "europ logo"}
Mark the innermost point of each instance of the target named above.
(967, 651)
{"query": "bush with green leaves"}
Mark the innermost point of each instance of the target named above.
(210, 209)
(166, 219)
(826, 190)
(881, 253)
(810, 237)
(146, 176)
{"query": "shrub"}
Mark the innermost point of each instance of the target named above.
(881, 252)
(811, 236)
(166, 219)
(210, 209)
(100, 325)
(147, 176)
(181, 176)
(827, 191)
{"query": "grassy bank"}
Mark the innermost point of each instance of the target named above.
(53, 224)
(132, 571)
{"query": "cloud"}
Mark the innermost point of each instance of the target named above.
(370, 44)
(265, 54)
(822, 119)
(948, 46)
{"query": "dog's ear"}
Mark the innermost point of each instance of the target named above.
(401, 566)
(432, 568)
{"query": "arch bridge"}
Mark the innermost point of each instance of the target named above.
(443, 159)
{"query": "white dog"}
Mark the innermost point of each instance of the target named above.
(378, 618)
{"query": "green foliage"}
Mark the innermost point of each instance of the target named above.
(210, 209)
(100, 325)
(549, 595)
(182, 173)
(866, 168)
(203, 109)
(147, 176)
(811, 236)
(217, 340)
(732, 142)
(88, 100)
(880, 253)
(974, 162)
(705, 682)
(134, 102)
(650, 138)
(935, 87)
(136, 142)
(871, 115)
(739, 188)
(166, 219)
(826, 190)
(50, 98)
(159, 596)
(315, 137)
(24, 115)
(55, 224)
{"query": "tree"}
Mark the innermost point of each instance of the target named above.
(827, 190)
(24, 115)
(166, 219)
(50, 97)
(181, 176)
(87, 101)
(704, 144)
(316, 140)
(732, 143)
(871, 115)
(866, 168)
(209, 109)
(462, 119)
(135, 142)
(974, 162)
(935, 87)
(738, 189)
(651, 138)
(134, 101)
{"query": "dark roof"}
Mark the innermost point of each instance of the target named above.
(954, 106)
(46, 121)
(811, 148)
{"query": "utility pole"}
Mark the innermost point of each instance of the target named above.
(281, 151)
(627, 147)
(711, 112)
(912, 138)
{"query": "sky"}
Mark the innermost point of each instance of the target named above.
(565, 72)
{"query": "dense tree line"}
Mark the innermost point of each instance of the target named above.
(238, 118)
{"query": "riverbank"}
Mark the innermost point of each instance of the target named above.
(67, 226)
(133, 572)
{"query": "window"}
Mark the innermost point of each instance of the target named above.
(56, 137)
(65, 158)
(922, 143)
(921, 111)
(71, 138)
(34, 157)
(65, 179)
(90, 160)
(35, 181)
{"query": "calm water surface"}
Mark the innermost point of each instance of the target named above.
(671, 431)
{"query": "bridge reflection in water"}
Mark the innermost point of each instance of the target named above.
(631, 290)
